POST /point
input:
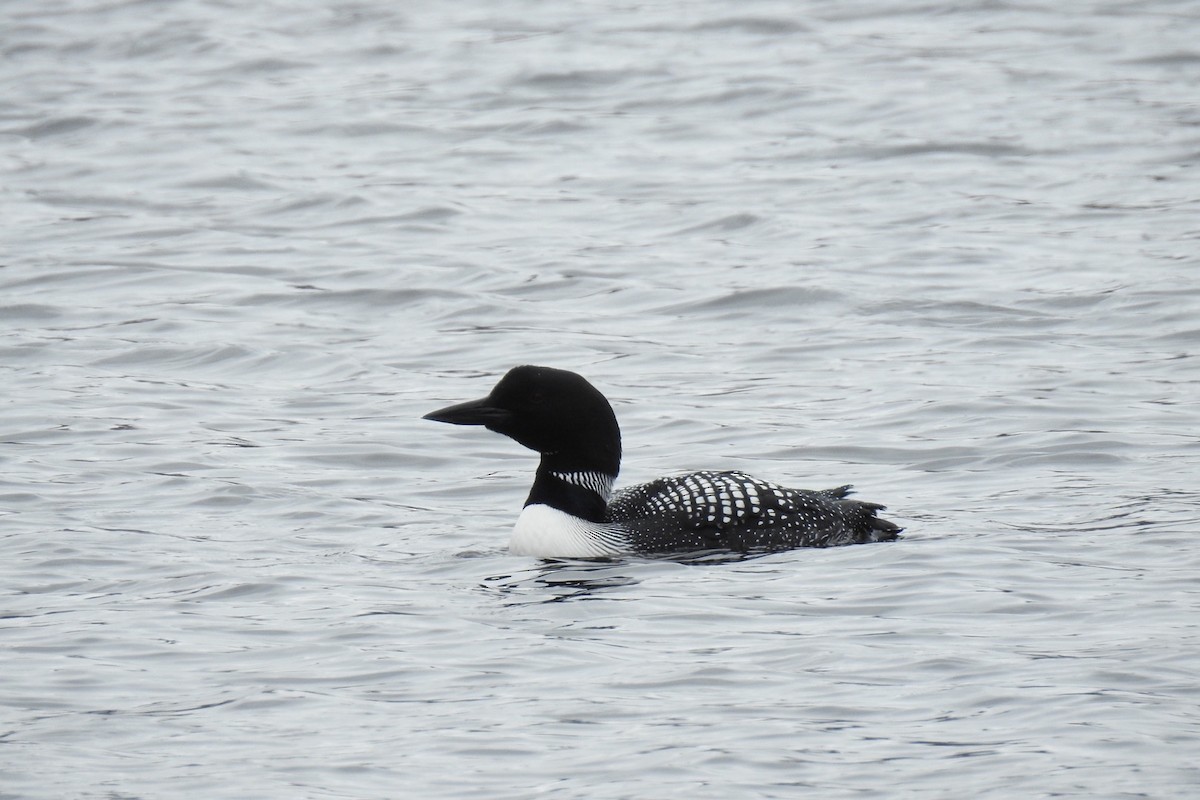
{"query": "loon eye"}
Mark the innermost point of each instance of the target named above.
(537, 398)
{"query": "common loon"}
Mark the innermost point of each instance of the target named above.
(572, 512)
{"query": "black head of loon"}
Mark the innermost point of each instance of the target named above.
(569, 514)
(565, 419)
(553, 411)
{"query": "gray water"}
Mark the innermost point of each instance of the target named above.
(947, 252)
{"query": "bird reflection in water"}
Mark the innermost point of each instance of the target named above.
(582, 579)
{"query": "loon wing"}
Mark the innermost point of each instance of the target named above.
(732, 510)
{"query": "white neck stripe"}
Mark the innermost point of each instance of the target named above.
(597, 482)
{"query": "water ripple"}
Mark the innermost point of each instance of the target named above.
(945, 254)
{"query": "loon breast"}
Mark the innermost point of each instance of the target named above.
(543, 531)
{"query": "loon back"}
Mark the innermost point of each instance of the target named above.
(568, 513)
(734, 511)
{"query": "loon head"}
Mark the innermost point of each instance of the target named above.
(553, 411)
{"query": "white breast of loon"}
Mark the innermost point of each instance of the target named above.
(543, 531)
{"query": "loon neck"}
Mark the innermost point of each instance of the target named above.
(580, 492)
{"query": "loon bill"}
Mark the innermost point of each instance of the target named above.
(572, 512)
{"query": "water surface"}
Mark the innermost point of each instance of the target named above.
(946, 254)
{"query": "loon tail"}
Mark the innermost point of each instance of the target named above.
(872, 527)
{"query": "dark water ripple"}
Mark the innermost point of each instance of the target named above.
(947, 254)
